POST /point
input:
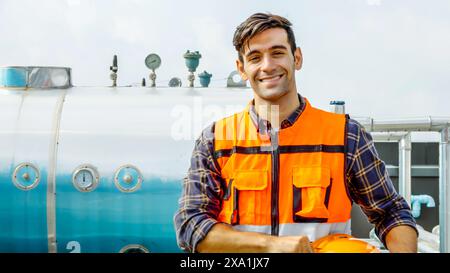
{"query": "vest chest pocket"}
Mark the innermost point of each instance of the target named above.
(311, 193)
(247, 196)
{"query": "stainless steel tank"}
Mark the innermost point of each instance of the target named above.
(98, 169)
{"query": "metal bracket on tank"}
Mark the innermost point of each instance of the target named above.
(26, 176)
(134, 248)
(175, 82)
(128, 178)
(232, 83)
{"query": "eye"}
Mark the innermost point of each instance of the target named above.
(253, 59)
(278, 53)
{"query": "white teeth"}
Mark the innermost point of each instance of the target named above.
(271, 78)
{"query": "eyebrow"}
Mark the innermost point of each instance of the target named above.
(272, 48)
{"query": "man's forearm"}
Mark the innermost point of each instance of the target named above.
(223, 238)
(402, 239)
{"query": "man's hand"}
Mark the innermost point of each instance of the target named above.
(289, 244)
(223, 238)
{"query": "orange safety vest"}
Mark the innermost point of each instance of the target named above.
(289, 183)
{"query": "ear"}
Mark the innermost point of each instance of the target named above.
(240, 69)
(298, 58)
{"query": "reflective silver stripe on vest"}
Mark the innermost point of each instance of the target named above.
(314, 231)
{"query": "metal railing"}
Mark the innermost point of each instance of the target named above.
(400, 130)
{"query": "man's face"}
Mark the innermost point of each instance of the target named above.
(269, 65)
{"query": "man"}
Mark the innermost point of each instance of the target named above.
(282, 173)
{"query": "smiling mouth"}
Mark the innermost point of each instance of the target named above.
(271, 78)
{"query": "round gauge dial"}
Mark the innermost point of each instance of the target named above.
(26, 176)
(128, 178)
(152, 61)
(85, 178)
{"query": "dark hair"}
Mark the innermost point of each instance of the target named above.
(258, 23)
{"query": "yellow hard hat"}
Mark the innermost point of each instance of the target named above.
(342, 243)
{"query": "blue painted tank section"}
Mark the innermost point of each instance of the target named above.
(105, 220)
(23, 221)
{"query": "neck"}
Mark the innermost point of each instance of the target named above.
(275, 111)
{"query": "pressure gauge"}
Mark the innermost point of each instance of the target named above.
(153, 61)
(85, 178)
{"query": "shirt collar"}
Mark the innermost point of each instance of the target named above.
(263, 126)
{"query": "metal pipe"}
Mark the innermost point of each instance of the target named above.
(436, 124)
(404, 172)
(418, 200)
(444, 190)
(388, 136)
(405, 124)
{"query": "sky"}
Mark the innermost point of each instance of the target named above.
(383, 58)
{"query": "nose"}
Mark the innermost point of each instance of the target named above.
(267, 64)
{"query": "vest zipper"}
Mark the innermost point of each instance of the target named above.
(275, 182)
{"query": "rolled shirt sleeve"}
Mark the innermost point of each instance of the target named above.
(200, 201)
(370, 185)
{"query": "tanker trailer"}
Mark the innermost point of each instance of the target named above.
(96, 169)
